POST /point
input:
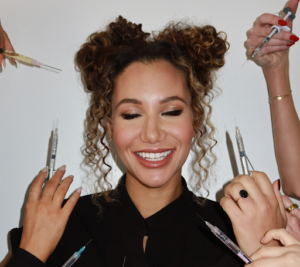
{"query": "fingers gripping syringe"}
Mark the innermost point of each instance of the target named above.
(75, 256)
(17, 56)
(275, 30)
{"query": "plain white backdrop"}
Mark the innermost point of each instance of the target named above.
(52, 31)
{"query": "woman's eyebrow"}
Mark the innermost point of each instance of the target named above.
(172, 98)
(129, 100)
(138, 102)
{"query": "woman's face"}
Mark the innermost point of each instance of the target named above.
(152, 122)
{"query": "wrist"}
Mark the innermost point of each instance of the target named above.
(37, 252)
(278, 80)
(282, 66)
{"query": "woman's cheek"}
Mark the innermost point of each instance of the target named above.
(124, 135)
(183, 131)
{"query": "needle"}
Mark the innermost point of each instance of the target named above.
(52, 67)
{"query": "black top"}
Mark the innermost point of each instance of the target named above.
(177, 237)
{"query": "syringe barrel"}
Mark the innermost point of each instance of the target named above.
(219, 234)
(71, 260)
(242, 155)
(53, 150)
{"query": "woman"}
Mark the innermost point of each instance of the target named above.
(152, 97)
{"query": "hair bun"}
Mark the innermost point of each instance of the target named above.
(101, 47)
(204, 45)
(125, 33)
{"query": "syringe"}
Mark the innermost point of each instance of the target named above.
(242, 153)
(24, 59)
(276, 30)
(17, 56)
(75, 256)
(51, 169)
(228, 242)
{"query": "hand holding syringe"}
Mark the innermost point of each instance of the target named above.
(5, 43)
(275, 30)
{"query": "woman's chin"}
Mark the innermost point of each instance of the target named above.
(155, 180)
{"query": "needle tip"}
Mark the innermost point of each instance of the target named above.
(52, 67)
(88, 242)
(201, 217)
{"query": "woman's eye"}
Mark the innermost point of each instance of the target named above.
(173, 113)
(130, 116)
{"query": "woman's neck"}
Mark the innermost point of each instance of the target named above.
(148, 200)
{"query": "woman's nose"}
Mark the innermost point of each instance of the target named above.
(152, 131)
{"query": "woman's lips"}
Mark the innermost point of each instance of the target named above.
(154, 164)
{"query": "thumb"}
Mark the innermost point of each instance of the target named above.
(281, 235)
(276, 187)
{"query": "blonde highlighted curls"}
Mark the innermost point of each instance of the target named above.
(196, 51)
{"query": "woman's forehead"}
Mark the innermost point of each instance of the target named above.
(149, 81)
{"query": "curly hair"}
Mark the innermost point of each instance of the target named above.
(196, 51)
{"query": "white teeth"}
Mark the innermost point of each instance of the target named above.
(154, 156)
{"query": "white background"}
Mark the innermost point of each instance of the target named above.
(52, 31)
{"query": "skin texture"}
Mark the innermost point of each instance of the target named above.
(288, 255)
(274, 61)
(253, 216)
(45, 219)
(152, 188)
(293, 217)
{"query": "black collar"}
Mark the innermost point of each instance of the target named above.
(162, 218)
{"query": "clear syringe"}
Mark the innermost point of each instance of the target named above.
(75, 256)
(228, 242)
(51, 169)
(243, 156)
(275, 30)
(17, 56)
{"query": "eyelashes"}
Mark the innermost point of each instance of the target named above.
(130, 116)
(172, 113)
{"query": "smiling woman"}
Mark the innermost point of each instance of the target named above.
(151, 95)
(140, 82)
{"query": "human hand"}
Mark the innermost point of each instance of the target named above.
(276, 51)
(287, 256)
(8, 46)
(45, 219)
(293, 218)
(261, 211)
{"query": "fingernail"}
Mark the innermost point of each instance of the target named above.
(18, 63)
(290, 44)
(71, 176)
(62, 168)
(294, 38)
(79, 189)
(3, 65)
(282, 22)
(279, 184)
(45, 169)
